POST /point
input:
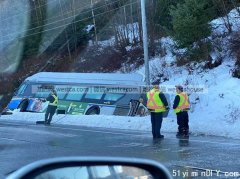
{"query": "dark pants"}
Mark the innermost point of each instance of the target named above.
(156, 120)
(182, 121)
(49, 113)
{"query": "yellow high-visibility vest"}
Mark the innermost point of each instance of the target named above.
(154, 102)
(183, 104)
(55, 102)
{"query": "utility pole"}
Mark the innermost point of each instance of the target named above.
(145, 42)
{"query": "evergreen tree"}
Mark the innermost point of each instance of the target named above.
(162, 12)
(190, 21)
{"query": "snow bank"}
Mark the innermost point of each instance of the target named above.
(214, 112)
(198, 126)
(219, 26)
(120, 122)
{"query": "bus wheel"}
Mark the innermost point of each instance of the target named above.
(23, 105)
(93, 111)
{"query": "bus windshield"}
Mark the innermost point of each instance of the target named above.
(24, 90)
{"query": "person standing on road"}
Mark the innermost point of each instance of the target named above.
(181, 106)
(52, 106)
(157, 104)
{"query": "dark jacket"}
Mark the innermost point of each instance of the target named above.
(50, 98)
(163, 99)
(176, 101)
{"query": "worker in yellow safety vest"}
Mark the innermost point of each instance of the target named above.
(181, 107)
(157, 104)
(52, 106)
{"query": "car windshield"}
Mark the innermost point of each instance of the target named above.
(155, 79)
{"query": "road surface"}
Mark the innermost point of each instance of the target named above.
(22, 143)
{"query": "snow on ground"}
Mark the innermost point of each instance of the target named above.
(197, 126)
(219, 23)
(103, 44)
(131, 31)
(119, 122)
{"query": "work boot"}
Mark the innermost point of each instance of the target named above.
(47, 123)
(161, 136)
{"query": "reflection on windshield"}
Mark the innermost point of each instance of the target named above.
(14, 19)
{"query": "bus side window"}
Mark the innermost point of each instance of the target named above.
(113, 96)
(76, 93)
(94, 93)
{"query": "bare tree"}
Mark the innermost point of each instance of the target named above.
(222, 8)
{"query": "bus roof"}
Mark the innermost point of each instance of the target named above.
(87, 78)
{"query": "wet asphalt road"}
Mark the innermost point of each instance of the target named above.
(23, 143)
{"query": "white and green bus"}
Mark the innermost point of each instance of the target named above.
(80, 93)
